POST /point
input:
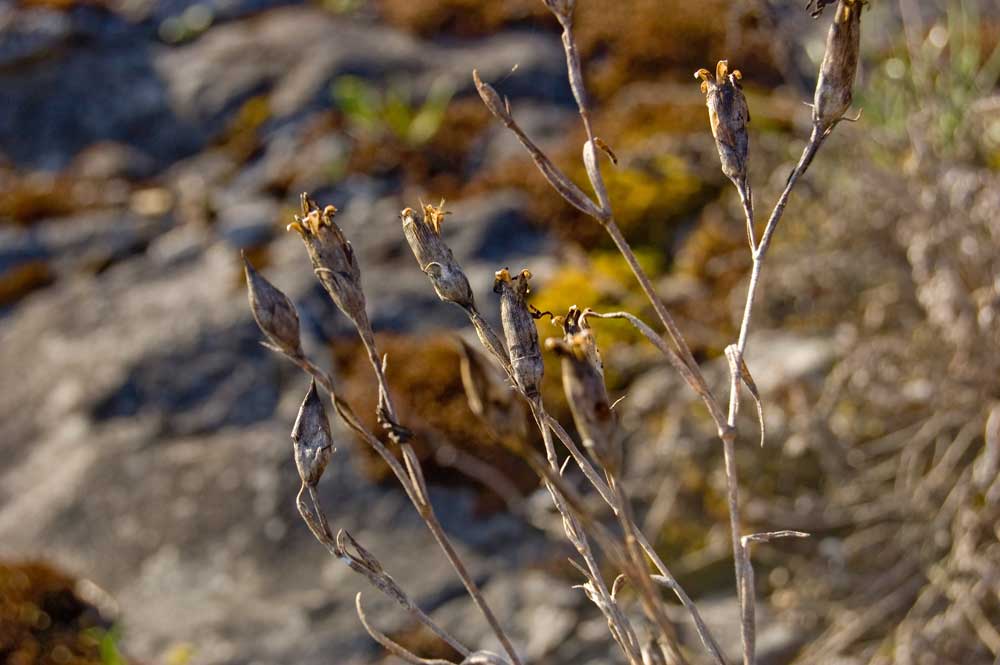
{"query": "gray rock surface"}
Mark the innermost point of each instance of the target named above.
(146, 447)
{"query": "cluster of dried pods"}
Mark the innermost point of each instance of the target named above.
(517, 354)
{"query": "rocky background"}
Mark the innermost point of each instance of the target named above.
(147, 486)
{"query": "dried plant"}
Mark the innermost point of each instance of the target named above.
(501, 393)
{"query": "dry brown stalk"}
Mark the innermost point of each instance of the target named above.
(410, 477)
(728, 115)
(518, 355)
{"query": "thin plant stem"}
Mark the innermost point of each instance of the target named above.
(392, 647)
(741, 561)
(318, 524)
(412, 485)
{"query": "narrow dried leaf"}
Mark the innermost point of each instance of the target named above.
(739, 363)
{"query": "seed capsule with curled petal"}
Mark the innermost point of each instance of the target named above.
(435, 257)
(273, 311)
(333, 259)
(834, 89)
(728, 115)
(311, 438)
(520, 331)
(583, 382)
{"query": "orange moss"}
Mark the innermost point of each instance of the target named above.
(22, 280)
(619, 40)
(468, 18)
(42, 620)
(427, 391)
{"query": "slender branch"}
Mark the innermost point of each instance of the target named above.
(694, 380)
(412, 485)
(367, 566)
(392, 647)
(741, 561)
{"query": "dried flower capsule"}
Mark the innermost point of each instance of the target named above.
(519, 329)
(839, 66)
(583, 382)
(273, 311)
(435, 257)
(728, 115)
(333, 259)
(311, 438)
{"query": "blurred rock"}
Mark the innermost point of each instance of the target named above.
(28, 34)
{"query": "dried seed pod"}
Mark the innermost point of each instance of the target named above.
(273, 311)
(492, 99)
(583, 382)
(519, 329)
(728, 115)
(839, 66)
(333, 259)
(435, 257)
(311, 438)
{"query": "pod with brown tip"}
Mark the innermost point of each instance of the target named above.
(728, 116)
(333, 259)
(834, 89)
(520, 331)
(434, 257)
(586, 393)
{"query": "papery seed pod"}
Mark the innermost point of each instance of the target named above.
(519, 329)
(333, 259)
(491, 98)
(273, 311)
(728, 116)
(311, 439)
(583, 382)
(435, 257)
(839, 66)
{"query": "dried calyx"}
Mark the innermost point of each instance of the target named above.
(332, 258)
(273, 311)
(839, 66)
(311, 438)
(728, 115)
(519, 329)
(435, 258)
(583, 382)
